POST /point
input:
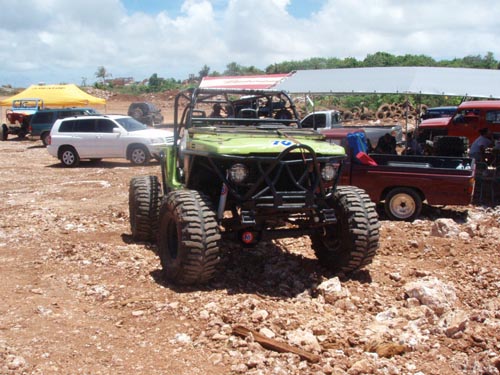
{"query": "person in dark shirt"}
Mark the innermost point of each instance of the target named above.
(412, 145)
(216, 111)
(386, 144)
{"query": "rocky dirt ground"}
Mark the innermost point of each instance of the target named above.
(80, 297)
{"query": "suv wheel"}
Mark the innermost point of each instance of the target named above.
(352, 242)
(45, 138)
(188, 237)
(144, 206)
(69, 157)
(139, 155)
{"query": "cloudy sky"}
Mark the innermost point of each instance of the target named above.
(65, 41)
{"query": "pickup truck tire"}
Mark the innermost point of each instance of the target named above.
(352, 242)
(403, 204)
(5, 132)
(139, 155)
(144, 207)
(69, 157)
(188, 238)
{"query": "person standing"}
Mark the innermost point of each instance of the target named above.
(480, 144)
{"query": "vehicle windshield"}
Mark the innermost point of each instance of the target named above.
(131, 124)
(25, 104)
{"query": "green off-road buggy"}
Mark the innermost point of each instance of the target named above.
(242, 168)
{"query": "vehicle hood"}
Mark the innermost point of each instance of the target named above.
(435, 122)
(255, 142)
(153, 133)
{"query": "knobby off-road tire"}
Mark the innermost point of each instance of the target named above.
(144, 207)
(188, 238)
(352, 242)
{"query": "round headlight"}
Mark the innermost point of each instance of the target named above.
(238, 173)
(328, 172)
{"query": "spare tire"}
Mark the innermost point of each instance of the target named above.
(451, 146)
(137, 113)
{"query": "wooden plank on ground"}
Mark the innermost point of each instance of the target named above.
(272, 344)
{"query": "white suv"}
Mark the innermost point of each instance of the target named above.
(105, 136)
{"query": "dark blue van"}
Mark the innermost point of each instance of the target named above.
(42, 121)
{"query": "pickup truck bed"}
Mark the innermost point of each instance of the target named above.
(403, 182)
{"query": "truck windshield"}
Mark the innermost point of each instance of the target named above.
(25, 104)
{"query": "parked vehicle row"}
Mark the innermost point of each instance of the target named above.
(466, 121)
(42, 121)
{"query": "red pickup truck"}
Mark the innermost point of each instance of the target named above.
(466, 122)
(403, 182)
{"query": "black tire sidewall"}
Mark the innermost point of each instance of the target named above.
(188, 237)
(351, 243)
(147, 157)
(144, 204)
(76, 157)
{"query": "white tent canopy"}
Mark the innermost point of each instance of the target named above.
(482, 83)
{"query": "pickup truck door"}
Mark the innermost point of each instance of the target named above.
(314, 121)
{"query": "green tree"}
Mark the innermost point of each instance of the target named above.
(155, 82)
(102, 73)
(204, 71)
(233, 69)
(380, 59)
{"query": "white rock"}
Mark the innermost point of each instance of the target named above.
(256, 360)
(433, 293)
(182, 338)
(445, 228)
(386, 315)
(259, 315)
(454, 322)
(464, 236)
(332, 290)
(239, 369)
(304, 339)
(204, 314)
(267, 332)
(15, 362)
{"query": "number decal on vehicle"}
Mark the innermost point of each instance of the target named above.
(282, 143)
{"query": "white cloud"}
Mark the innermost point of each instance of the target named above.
(63, 41)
